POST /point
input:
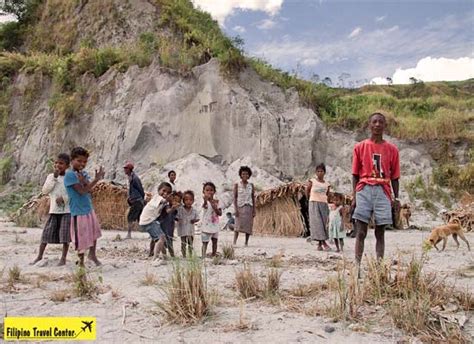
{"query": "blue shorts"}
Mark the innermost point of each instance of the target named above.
(373, 200)
(154, 229)
(206, 237)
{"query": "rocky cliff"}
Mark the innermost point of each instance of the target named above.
(203, 122)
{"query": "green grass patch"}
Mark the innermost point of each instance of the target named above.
(427, 192)
(12, 201)
(457, 178)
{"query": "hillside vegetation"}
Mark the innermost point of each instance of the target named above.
(48, 41)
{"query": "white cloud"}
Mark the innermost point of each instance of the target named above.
(381, 52)
(4, 18)
(379, 19)
(356, 32)
(434, 69)
(266, 24)
(239, 29)
(221, 9)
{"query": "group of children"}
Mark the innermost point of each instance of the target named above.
(72, 217)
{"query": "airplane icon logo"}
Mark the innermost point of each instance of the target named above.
(88, 325)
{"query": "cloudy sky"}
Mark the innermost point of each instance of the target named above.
(372, 40)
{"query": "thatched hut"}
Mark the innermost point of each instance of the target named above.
(279, 211)
(464, 214)
(109, 200)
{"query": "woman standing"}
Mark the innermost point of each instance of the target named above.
(244, 204)
(317, 192)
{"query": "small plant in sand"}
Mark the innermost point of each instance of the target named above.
(59, 295)
(271, 290)
(149, 279)
(14, 275)
(117, 238)
(247, 282)
(228, 251)
(217, 260)
(309, 290)
(84, 286)
(276, 261)
(187, 299)
(409, 297)
(272, 285)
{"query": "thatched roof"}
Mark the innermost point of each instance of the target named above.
(282, 191)
(465, 215)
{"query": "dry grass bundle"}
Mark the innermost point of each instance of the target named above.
(309, 290)
(110, 205)
(247, 282)
(465, 215)
(278, 211)
(276, 261)
(14, 275)
(149, 279)
(413, 300)
(272, 285)
(187, 297)
(59, 295)
(228, 251)
(282, 217)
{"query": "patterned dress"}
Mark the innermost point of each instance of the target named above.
(244, 222)
(336, 228)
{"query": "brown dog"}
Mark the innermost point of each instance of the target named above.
(443, 232)
(405, 214)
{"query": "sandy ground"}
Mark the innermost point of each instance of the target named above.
(125, 264)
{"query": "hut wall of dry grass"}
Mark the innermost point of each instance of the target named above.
(109, 201)
(279, 212)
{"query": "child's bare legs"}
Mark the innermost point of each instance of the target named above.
(158, 247)
(247, 237)
(214, 247)
(341, 244)
(92, 254)
(236, 236)
(184, 243)
(129, 233)
(169, 245)
(62, 261)
(204, 249)
(40, 254)
(81, 260)
(336, 241)
(190, 245)
(152, 248)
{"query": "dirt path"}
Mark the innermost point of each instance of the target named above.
(126, 264)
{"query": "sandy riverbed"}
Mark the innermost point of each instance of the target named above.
(125, 264)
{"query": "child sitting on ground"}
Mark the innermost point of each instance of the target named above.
(149, 223)
(336, 226)
(230, 225)
(57, 229)
(187, 216)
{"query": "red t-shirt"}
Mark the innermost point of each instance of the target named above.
(376, 164)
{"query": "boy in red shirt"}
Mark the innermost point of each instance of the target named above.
(375, 171)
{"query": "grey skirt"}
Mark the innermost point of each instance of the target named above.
(244, 222)
(57, 229)
(318, 217)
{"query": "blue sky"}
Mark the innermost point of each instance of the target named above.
(367, 39)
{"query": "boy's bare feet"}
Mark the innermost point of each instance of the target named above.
(94, 259)
(35, 261)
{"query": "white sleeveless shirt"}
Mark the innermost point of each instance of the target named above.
(244, 194)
